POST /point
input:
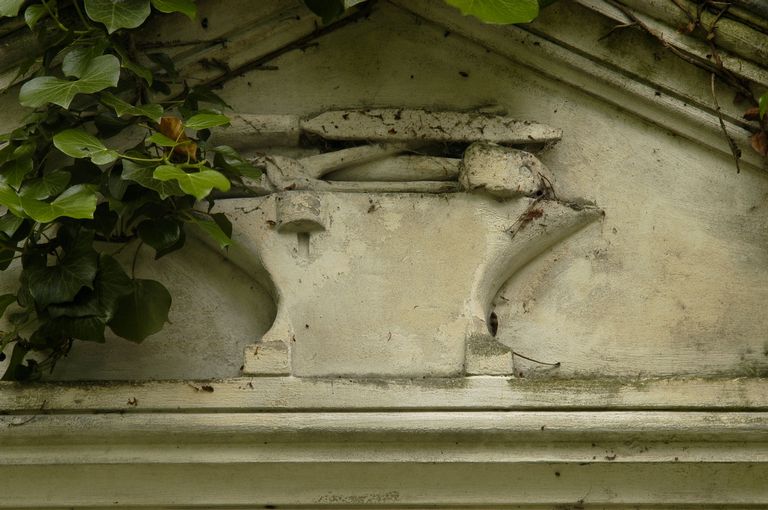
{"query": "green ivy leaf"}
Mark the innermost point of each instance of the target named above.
(143, 312)
(100, 73)
(162, 140)
(223, 222)
(214, 229)
(326, 9)
(10, 199)
(137, 69)
(61, 282)
(161, 234)
(6, 300)
(111, 283)
(198, 184)
(13, 172)
(142, 175)
(763, 104)
(150, 111)
(9, 224)
(76, 202)
(6, 257)
(76, 61)
(14, 370)
(10, 8)
(89, 329)
(206, 120)
(501, 12)
(228, 159)
(117, 14)
(77, 143)
(46, 186)
(32, 15)
(187, 7)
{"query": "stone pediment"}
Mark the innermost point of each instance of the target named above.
(608, 278)
(396, 285)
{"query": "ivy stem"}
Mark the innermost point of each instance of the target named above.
(82, 17)
(135, 257)
(54, 17)
(147, 160)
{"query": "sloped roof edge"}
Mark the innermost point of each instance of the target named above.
(540, 48)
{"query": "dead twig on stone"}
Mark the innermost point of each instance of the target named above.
(735, 151)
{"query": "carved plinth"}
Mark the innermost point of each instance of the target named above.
(399, 284)
(396, 278)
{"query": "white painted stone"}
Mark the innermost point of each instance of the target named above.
(401, 168)
(406, 125)
(259, 130)
(503, 172)
(396, 282)
(672, 283)
(267, 358)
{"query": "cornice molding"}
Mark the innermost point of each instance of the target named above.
(543, 49)
(304, 394)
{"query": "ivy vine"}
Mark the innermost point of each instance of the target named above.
(105, 157)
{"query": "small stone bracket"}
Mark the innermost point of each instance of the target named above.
(300, 212)
(487, 356)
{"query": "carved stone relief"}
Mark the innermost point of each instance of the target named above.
(387, 253)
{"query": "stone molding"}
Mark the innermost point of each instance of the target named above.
(484, 442)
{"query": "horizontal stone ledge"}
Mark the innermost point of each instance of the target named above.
(384, 484)
(251, 394)
(543, 427)
(296, 451)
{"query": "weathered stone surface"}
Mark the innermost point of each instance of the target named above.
(397, 282)
(407, 125)
(267, 358)
(503, 172)
(299, 212)
(218, 309)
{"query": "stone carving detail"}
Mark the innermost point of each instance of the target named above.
(392, 270)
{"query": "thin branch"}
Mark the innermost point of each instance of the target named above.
(298, 44)
(177, 44)
(28, 420)
(680, 6)
(556, 364)
(716, 67)
(735, 151)
(615, 28)
(712, 25)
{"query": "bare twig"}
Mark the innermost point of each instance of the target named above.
(680, 6)
(714, 67)
(301, 43)
(556, 364)
(28, 420)
(176, 44)
(615, 28)
(735, 151)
